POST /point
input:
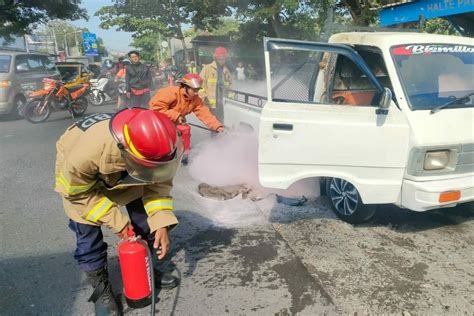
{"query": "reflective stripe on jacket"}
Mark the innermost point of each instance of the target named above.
(209, 85)
(89, 171)
(173, 102)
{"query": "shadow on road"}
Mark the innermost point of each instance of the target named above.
(197, 236)
(402, 220)
(39, 285)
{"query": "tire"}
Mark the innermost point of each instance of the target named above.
(18, 107)
(97, 100)
(32, 114)
(347, 203)
(79, 106)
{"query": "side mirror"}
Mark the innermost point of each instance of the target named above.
(385, 101)
(22, 67)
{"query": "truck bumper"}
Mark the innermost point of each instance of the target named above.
(424, 196)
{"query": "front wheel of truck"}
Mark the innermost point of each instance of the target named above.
(346, 201)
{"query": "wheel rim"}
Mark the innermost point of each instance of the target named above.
(35, 113)
(19, 107)
(79, 107)
(344, 196)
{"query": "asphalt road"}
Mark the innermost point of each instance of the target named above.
(266, 259)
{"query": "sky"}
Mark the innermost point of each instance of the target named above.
(115, 41)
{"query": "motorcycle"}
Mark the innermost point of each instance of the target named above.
(55, 96)
(104, 90)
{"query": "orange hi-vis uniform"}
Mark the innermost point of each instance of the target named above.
(174, 102)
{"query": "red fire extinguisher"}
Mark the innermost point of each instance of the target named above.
(185, 130)
(137, 272)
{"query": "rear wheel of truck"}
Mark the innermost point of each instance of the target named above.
(346, 201)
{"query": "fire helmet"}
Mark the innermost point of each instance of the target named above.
(221, 52)
(192, 80)
(149, 144)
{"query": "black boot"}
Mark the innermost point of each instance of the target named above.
(102, 297)
(164, 280)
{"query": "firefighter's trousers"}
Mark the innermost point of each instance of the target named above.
(91, 249)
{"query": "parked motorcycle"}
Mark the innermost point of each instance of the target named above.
(104, 89)
(56, 97)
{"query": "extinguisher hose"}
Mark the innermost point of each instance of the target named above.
(152, 276)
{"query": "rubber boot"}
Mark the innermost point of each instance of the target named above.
(102, 297)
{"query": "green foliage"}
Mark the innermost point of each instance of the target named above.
(440, 26)
(21, 17)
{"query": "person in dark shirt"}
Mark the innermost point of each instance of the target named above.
(138, 81)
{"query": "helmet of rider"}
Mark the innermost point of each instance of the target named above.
(108, 63)
(149, 142)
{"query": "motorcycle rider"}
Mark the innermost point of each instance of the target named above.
(103, 162)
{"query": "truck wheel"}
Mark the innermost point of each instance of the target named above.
(346, 201)
(18, 107)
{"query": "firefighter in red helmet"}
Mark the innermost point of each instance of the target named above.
(217, 81)
(106, 161)
(177, 102)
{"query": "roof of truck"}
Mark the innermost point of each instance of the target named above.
(389, 39)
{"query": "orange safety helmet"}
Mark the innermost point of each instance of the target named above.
(192, 80)
(149, 143)
(221, 52)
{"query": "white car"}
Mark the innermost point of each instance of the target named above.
(382, 118)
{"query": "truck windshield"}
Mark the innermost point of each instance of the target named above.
(5, 63)
(435, 74)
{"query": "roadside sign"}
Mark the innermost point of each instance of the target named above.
(90, 44)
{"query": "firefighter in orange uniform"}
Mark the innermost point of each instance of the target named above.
(103, 162)
(177, 102)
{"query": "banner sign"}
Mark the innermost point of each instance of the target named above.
(411, 11)
(90, 44)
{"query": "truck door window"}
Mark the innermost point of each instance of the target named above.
(350, 86)
(291, 74)
(321, 77)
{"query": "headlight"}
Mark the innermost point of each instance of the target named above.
(5, 83)
(436, 160)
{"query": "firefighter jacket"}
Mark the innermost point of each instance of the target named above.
(209, 85)
(92, 181)
(174, 102)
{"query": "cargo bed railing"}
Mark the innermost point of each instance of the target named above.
(249, 98)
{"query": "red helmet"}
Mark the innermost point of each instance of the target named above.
(221, 52)
(149, 142)
(192, 80)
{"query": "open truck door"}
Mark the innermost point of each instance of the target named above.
(328, 115)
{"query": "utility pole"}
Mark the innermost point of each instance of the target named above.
(66, 49)
(77, 46)
(56, 49)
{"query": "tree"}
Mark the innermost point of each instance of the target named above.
(164, 17)
(22, 17)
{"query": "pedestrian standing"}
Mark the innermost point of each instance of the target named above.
(138, 81)
(240, 70)
(217, 81)
(105, 162)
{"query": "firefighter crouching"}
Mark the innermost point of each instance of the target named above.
(177, 102)
(103, 162)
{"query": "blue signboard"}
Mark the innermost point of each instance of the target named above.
(410, 12)
(90, 44)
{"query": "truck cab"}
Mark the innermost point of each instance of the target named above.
(382, 118)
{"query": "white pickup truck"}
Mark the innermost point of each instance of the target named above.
(382, 118)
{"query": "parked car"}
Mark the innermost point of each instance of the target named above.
(74, 73)
(20, 74)
(380, 118)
